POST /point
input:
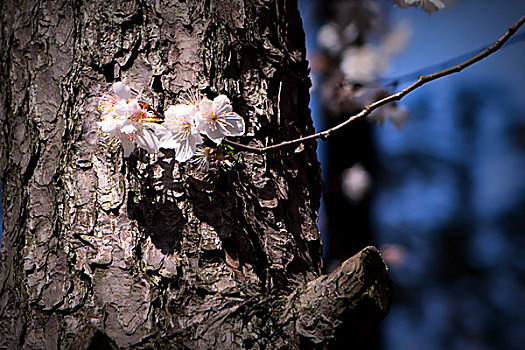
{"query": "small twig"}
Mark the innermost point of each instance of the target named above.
(396, 80)
(394, 97)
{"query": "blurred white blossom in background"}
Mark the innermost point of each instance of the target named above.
(427, 5)
(363, 64)
(356, 182)
(396, 113)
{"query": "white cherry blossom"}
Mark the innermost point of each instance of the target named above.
(144, 136)
(217, 119)
(203, 158)
(124, 118)
(117, 116)
(181, 131)
(129, 120)
(122, 93)
(140, 130)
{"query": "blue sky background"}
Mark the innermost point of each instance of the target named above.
(450, 191)
(427, 215)
(464, 26)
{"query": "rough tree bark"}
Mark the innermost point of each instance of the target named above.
(104, 252)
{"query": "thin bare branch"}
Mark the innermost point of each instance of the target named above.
(422, 80)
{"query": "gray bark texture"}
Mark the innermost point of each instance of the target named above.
(102, 252)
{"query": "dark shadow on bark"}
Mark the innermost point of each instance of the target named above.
(100, 341)
(162, 221)
(217, 204)
(156, 212)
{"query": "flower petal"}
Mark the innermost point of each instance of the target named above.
(128, 128)
(214, 134)
(122, 90)
(222, 105)
(185, 151)
(206, 107)
(109, 126)
(196, 139)
(127, 144)
(234, 124)
(159, 130)
(169, 142)
(126, 109)
(145, 138)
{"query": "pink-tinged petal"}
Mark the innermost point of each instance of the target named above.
(188, 110)
(126, 109)
(178, 110)
(122, 90)
(159, 130)
(193, 115)
(121, 108)
(180, 114)
(196, 120)
(169, 114)
(196, 139)
(234, 124)
(133, 107)
(200, 124)
(171, 128)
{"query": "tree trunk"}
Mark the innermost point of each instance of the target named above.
(102, 252)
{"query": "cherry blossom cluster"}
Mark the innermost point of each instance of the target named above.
(184, 127)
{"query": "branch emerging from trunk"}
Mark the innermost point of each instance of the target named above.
(422, 80)
(324, 313)
(356, 295)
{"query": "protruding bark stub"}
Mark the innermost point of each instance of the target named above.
(334, 311)
(354, 297)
